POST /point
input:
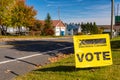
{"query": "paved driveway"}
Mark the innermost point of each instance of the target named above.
(19, 57)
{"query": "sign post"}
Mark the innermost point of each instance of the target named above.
(92, 51)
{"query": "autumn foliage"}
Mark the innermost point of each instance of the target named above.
(49, 31)
(15, 13)
(22, 15)
(48, 27)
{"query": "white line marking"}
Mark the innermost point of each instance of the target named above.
(7, 61)
(60, 44)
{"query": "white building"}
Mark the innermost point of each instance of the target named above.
(107, 29)
(59, 27)
(13, 30)
(73, 29)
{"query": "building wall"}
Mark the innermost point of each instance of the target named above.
(109, 31)
(14, 30)
(70, 32)
(60, 31)
(11, 30)
(73, 30)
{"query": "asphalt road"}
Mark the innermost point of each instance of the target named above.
(20, 57)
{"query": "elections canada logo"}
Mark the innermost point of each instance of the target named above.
(92, 42)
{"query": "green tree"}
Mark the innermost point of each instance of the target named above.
(22, 15)
(36, 28)
(95, 28)
(5, 14)
(89, 28)
(82, 27)
(48, 27)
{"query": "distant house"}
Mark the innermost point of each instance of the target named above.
(59, 27)
(107, 29)
(15, 30)
(12, 30)
(73, 29)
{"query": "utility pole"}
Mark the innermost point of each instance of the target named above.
(112, 17)
(59, 13)
(117, 9)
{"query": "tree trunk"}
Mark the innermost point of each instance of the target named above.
(3, 30)
(19, 32)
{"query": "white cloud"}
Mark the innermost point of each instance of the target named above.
(49, 1)
(99, 7)
(85, 14)
(66, 1)
(101, 18)
(99, 21)
(95, 13)
(62, 5)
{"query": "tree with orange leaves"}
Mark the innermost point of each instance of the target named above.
(22, 15)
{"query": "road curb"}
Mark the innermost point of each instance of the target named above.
(19, 39)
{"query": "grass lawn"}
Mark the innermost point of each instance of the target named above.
(13, 38)
(29, 36)
(65, 70)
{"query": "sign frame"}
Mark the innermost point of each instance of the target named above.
(92, 50)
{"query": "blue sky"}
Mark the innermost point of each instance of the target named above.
(98, 11)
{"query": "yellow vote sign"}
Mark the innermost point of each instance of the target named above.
(92, 50)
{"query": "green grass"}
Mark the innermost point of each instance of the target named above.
(116, 38)
(65, 70)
